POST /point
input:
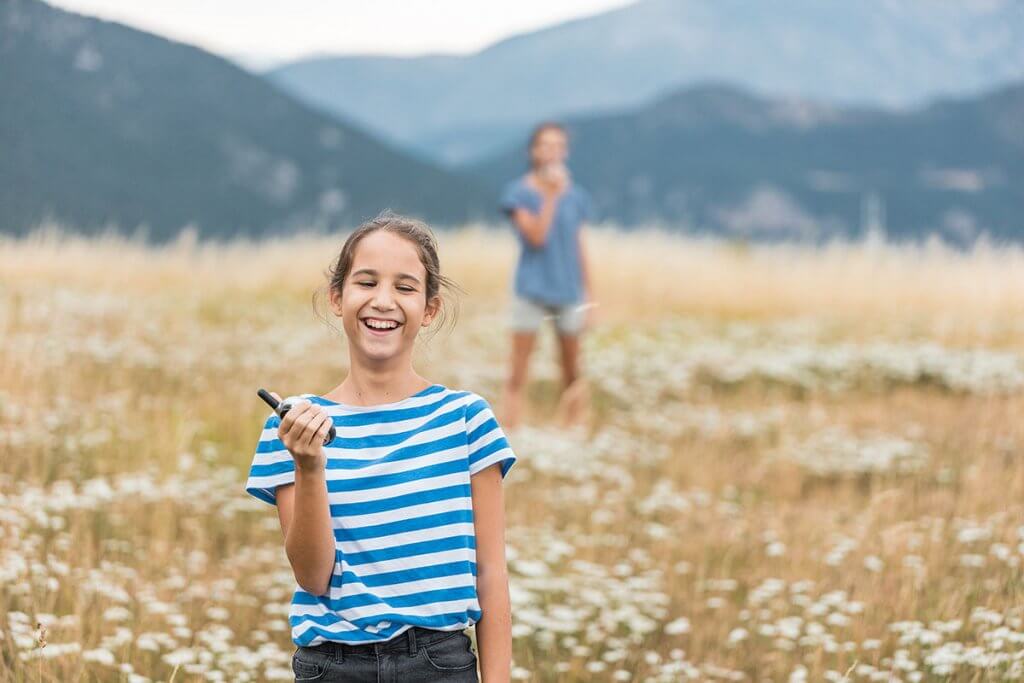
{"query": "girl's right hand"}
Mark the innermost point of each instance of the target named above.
(552, 179)
(302, 431)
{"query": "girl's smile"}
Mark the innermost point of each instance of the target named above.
(381, 326)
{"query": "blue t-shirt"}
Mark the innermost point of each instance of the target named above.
(398, 484)
(550, 273)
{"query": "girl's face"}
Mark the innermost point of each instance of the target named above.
(383, 304)
(551, 146)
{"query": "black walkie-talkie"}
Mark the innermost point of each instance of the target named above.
(285, 405)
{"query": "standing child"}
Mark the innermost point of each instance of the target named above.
(552, 279)
(395, 529)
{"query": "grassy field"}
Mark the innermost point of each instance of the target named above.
(803, 464)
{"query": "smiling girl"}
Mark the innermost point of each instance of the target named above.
(395, 529)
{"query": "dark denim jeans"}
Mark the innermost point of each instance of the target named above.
(419, 654)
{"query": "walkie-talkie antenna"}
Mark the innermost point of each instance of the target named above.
(268, 399)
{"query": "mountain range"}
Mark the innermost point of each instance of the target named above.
(101, 124)
(880, 53)
(718, 159)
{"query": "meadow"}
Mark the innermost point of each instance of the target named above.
(803, 463)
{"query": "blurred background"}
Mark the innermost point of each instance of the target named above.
(801, 120)
(805, 457)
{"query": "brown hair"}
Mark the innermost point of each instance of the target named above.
(417, 232)
(543, 126)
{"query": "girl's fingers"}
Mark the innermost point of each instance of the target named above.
(313, 429)
(302, 426)
(309, 425)
(296, 418)
(324, 429)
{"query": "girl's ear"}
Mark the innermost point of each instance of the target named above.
(335, 297)
(432, 309)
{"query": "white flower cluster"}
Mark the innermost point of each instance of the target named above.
(835, 451)
(671, 361)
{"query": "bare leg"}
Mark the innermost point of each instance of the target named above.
(574, 401)
(512, 406)
(569, 349)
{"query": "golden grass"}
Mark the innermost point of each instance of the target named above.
(642, 274)
(683, 501)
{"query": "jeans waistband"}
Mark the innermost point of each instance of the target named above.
(407, 641)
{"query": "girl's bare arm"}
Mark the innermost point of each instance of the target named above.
(494, 629)
(588, 291)
(308, 535)
(535, 226)
(302, 507)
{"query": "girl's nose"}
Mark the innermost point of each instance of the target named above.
(382, 300)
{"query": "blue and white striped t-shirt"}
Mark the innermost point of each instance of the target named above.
(399, 490)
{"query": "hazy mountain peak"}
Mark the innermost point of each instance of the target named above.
(892, 53)
(719, 159)
(104, 124)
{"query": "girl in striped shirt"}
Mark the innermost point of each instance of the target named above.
(395, 529)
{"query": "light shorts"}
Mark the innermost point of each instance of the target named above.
(528, 314)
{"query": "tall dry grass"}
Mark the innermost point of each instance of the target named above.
(805, 462)
(644, 274)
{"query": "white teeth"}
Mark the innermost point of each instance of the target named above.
(382, 325)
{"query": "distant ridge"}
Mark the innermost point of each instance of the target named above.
(718, 159)
(891, 53)
(103, 124)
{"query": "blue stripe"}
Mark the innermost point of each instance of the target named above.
(262, 494)
(432, 571)
(371, 440)
(438, 621)
(432, 389)
(376, 417)
(273, 468)
(382, 480)
(270, 446)
(404, 500)
(490, 461)
(493, 447)
(397, 455)
(410, 549)
(395, 601)
(474, 408)
(402, 526)
(432, 621)
(348, 637)
(488, 426)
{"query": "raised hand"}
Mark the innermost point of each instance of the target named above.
(552, 178)
(302, 431)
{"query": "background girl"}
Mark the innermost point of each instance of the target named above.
(551, 278)
(394, 530)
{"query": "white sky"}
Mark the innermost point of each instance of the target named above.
(260, 33)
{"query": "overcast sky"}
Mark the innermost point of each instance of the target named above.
(263, 33)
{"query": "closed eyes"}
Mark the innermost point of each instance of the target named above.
(404, 288)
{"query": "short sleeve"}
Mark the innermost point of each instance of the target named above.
(487, 442)
(517, 195)
(272, 464)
